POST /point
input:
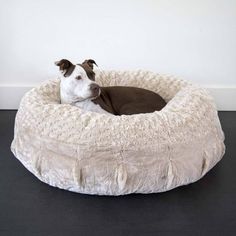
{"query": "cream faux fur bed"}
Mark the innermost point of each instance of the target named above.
(101, 154)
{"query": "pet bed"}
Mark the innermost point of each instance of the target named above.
(102, 154)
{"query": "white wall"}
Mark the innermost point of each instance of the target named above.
(194, 39)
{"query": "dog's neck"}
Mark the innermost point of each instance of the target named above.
(89, 105)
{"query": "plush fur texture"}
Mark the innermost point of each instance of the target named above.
(94, 153)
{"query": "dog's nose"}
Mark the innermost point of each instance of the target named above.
(94, 88)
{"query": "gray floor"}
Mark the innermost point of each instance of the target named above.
(30, 207)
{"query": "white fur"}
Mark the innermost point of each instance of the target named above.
(78, 92)
(88, 105)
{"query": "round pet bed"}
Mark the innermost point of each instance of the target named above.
(94, 153)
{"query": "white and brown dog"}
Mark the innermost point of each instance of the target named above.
(78, 87)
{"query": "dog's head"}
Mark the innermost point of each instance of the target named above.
(77, 81)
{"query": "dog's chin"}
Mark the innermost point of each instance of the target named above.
(94, 96)
(91, 97)
(88, 98)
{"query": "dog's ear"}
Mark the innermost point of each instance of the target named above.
(90, 63)
(65, 66)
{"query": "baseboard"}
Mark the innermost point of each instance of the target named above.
(225, 97)
(10, 96)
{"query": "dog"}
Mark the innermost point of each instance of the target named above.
(78, 87)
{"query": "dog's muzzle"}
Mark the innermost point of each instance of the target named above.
(95, 89)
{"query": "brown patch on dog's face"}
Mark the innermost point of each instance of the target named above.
(87, 65)
(66, 67)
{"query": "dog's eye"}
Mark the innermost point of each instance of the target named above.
(78, 77)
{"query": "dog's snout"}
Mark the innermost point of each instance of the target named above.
(95, 89)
